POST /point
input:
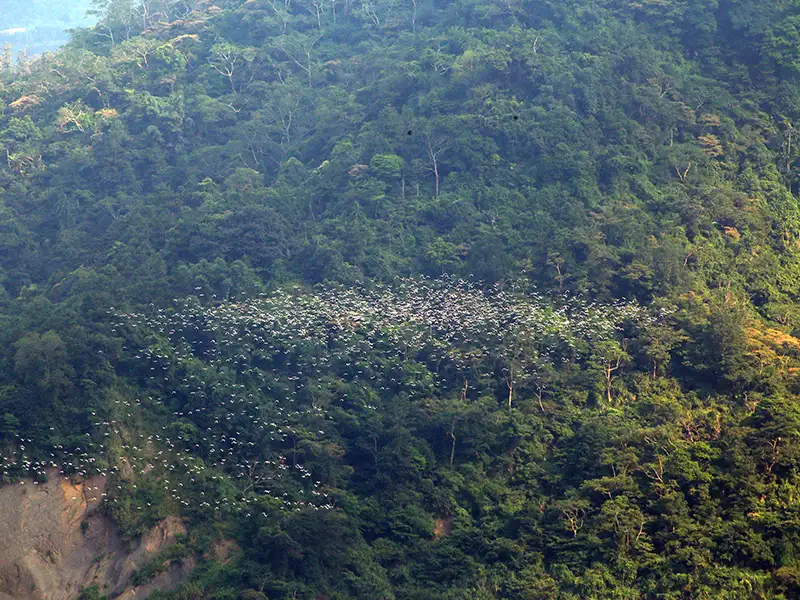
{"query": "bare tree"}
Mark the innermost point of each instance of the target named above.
(299, 46)
(137, 50)
(612, 358)
(281, 13)
(227, 60)
(316, 8)
(452, 433)
(255, 476)
(682, 175)
(369, 9)
(574, 516)
(434, 146)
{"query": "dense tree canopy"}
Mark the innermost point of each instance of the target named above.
(423, 300)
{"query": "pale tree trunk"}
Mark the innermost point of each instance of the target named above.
(453, 438)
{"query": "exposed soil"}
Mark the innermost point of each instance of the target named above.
(54, 541)
(442, 527)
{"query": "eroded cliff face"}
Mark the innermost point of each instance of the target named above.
(54, 541)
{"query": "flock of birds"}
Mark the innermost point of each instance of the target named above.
(240, 394)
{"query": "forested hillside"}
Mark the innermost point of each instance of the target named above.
(417, 300)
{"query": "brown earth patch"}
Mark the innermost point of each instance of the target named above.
(443, 527)
(55, 541)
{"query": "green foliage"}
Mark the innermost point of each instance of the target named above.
(387, 166)
(10, 426)
(179, 178)
(90, 593)
(41, 360)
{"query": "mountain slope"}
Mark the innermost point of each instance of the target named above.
(218, 229)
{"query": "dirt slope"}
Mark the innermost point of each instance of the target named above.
(53, 542)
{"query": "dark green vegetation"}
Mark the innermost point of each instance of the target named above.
(183, 155)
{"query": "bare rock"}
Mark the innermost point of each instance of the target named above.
(54, 541)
